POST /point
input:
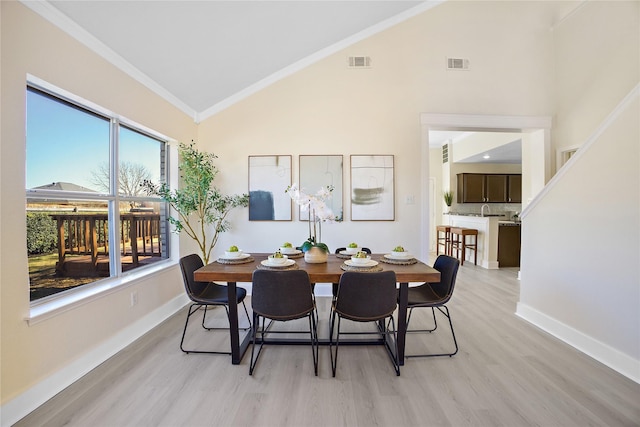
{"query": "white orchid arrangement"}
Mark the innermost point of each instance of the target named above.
(318, 210)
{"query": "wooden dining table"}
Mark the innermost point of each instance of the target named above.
(328, 272)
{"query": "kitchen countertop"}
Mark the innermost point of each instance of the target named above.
(509, 223)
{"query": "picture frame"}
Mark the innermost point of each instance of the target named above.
(372, 188)
(318, 171)
(269, 177)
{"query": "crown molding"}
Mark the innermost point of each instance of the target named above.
(57, 18)
(60, 20)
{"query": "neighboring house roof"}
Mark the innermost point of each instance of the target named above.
(58, 186)
(64, 186)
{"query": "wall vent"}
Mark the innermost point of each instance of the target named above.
(457, 64)
(445, 153)
(359, 62)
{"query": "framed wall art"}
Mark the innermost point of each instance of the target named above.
(372, 188)
(269, 177)
(317, 171)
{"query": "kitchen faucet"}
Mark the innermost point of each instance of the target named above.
(482, 209)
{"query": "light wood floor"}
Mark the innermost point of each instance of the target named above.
(507, 373)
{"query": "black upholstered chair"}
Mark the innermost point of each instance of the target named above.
(435, 296)
(282, 296)
(203, 295)
(366, 297)
(334, 289)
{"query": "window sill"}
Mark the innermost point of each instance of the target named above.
(43, 310)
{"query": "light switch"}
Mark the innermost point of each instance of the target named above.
(409, 200)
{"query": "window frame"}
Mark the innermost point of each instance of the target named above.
(49, 306)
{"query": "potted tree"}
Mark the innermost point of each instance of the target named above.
(198, 203)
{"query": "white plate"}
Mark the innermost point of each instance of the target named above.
(241, 256)
(396, 256)
(290, 251)
(288, 263)
(369, 263)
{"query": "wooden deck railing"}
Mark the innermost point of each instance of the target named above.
(88, 234)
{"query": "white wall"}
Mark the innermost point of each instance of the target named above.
(580, 278)
(330, 109)
(37, 359)
(580, 237)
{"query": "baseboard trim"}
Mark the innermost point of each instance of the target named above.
(19, 407)
(603, 353)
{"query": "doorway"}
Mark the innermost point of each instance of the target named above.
(536, 168)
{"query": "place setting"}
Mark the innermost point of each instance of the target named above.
(234, 255)
(277, 261)
(398, 256)
(290, 251)
(349, 251)
(361, 261)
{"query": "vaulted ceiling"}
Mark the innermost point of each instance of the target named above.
(203, 56)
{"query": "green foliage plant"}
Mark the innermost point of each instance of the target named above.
(42, 234)
(448, 197)
(197, 202)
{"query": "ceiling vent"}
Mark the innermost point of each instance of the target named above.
(359, 62)
(457, 64)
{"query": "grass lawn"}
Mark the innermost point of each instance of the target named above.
(44, 280)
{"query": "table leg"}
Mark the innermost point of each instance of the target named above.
(237, 348)
(402, 320)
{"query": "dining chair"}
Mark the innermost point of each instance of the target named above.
(334, 288)
(365, 297)
(203, 295)
(435, 296)
(282, 296)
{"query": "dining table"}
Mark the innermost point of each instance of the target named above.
(326, 272)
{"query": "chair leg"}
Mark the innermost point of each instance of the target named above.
(193, 308)
(254, 328)
(226, 308)
(245, 312)
(453, 334)
(334, 357)
(186, 323)
(313, 332)
(392, 355)
(435, 322)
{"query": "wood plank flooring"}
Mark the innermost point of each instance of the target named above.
(507, 373)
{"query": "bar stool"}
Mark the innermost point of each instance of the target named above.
(459, 243)
(443, 240)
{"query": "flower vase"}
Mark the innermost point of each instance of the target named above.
(316, 255)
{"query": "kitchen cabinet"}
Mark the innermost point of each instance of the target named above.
(509, 245)
(482, 188)
(514, 188)
(470, 188)
(489, 188)
(495, 190)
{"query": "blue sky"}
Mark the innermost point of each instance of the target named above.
(65, 144)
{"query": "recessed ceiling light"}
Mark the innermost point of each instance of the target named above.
(486, 156)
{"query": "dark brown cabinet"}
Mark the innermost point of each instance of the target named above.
(509, 245)
(470, 188)
(489, 188)
(514, 186)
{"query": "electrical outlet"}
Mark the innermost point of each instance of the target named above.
(409, 200)
(134, 298)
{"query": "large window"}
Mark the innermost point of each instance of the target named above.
(87, 216)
